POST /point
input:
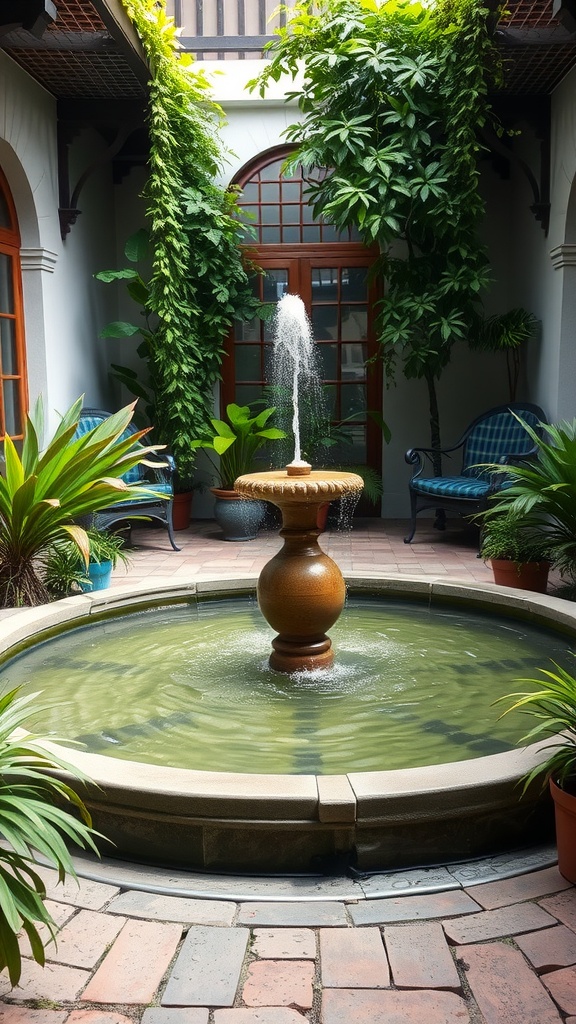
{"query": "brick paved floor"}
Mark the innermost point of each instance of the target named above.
(503, 952)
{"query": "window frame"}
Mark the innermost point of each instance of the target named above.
(10, 246)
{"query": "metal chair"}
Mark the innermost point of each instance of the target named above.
(159, 477)
(494, 437)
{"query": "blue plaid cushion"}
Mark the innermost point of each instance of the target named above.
(160, 488)
(494, 439)
(451, 486)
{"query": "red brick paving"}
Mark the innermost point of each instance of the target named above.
(279, 983)
(504, 987)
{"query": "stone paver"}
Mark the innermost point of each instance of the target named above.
(504, 987)
(562, 987)
(133, 969)
(306, 915)
(97, 1017)
(522, 887)
(284, 943)
(208, 967)
(420, 957)
(363, 1006)
(84, 940)
(175, 1015)
(81, 892)
(550, 948)
(563, 907)
(24, 1015)
(54, 982)
(411, 908)
(258, 1015)
(152, 907)
(279, 983)
(353, 958)
(491, 924)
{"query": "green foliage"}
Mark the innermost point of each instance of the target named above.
(543, 491)
(393, 97)
(63, 569)
(38, 814)
(44, 492)
(554, 706)
(199, 282)
(237, 441)
(512, 536)
(507, 332)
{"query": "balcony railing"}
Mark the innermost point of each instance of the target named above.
(227, 29)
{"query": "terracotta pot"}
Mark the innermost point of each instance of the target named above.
(565, 815)
(182, 510)
(524, 575)
(322, 516)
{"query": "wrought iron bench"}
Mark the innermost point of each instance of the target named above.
(494, 437)
(159, 477)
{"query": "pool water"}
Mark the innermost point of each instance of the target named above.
(190, 687)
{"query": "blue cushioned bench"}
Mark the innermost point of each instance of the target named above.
(494, 437)
(158, 477)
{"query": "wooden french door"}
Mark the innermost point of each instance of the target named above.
(339, 299)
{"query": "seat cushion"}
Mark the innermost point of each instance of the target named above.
(451, 486)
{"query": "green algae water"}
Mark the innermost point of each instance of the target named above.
(190, 687)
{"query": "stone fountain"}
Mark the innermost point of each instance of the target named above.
(301, 591)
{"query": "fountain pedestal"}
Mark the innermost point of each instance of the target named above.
(301, 591)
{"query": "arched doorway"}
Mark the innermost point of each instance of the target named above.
(13, 384)
(302, 255)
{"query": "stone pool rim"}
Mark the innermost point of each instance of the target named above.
(379, 820)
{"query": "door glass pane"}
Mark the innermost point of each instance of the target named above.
(6, 293)
(270, 214)
(271, 236)
(11, 407)
(270, 193)
(291, 213)
(247, 393)
(353, 361)
(354, 323)
(329, 360)
(250, 192)
(353, 399)
(324, 284)
(291, 235)
(275, 284)
(290, 191)
(247, 330)
(8, 363)
(354, 284)
(353, 451)
(272, 171)
(248, 362)
(325, 322)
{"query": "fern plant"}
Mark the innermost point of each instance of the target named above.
(39, 813)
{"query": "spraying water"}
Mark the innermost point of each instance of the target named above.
(294, 358)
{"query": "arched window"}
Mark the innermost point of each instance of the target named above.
(303, 255)
(13, 389)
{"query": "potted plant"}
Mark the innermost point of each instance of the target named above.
(543, 489)
(554, 705)
(236, 441)
(65, 569)
(518, 552)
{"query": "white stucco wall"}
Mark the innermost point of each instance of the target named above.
(62, 309)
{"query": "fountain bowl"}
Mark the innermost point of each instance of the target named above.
(280, 824)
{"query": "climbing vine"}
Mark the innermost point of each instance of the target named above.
(393, 97)
(199, 282)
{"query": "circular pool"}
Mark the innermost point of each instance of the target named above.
(375, 762)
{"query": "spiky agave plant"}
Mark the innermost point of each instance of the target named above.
(44, 492)
(39, 813)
